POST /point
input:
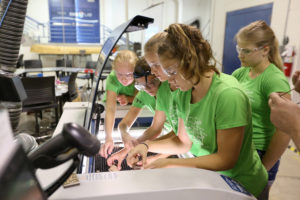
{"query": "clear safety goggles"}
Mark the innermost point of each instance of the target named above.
(246, 51)
(150, 84)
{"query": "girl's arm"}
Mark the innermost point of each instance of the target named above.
(172, 145)
(229, 143)
(130, 99)
(169, 145)
(170, 134)
(124, 99)
(109, 123)
(277, 146)
(156, 127)
(125, 124)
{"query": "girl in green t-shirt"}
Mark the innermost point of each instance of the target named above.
(165, 109)
(260, 75)
(148, 86)
(119, 88)
(165, 114)
(213, 114)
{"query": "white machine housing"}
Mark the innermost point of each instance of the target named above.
(158, 184)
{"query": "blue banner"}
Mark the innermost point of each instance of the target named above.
(87, 21)
(74, 21)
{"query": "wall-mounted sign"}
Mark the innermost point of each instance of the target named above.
(74, 21)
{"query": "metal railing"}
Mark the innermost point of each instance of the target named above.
(36, 30)
(40, 32)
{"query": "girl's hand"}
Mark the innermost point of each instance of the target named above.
(296, 80)
(106, 148)
(140, 151)
(285, 114)
(122, 99)
(119, 157)
(129, 141)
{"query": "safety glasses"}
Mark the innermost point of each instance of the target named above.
(171, 70)
(246, 51)
(126, 75)
(150, 84)
(154, 65)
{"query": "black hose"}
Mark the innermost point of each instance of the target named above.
(12, 15)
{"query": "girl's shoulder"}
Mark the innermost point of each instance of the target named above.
(225, 81)
(144, 94)
(164, 85)
(273, 69)
(112, 76)
(273, 73)
(164, 89)
(273, 80)
(182, 96)
(112, 73)
(240, 72)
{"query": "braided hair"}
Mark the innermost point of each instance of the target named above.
(187, 44)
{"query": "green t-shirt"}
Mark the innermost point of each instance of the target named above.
(165, 102)
(258, 91)
(114, 85)
(143, 99)
(224, 106)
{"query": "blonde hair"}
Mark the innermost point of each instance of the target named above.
(186, 43)
(152, 44)
(125, 56)
(262, 35)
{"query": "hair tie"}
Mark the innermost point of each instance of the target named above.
(141, 73)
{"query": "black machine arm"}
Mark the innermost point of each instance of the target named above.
(65, 146)
(73, 140)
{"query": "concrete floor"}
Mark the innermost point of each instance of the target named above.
(287, 183)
